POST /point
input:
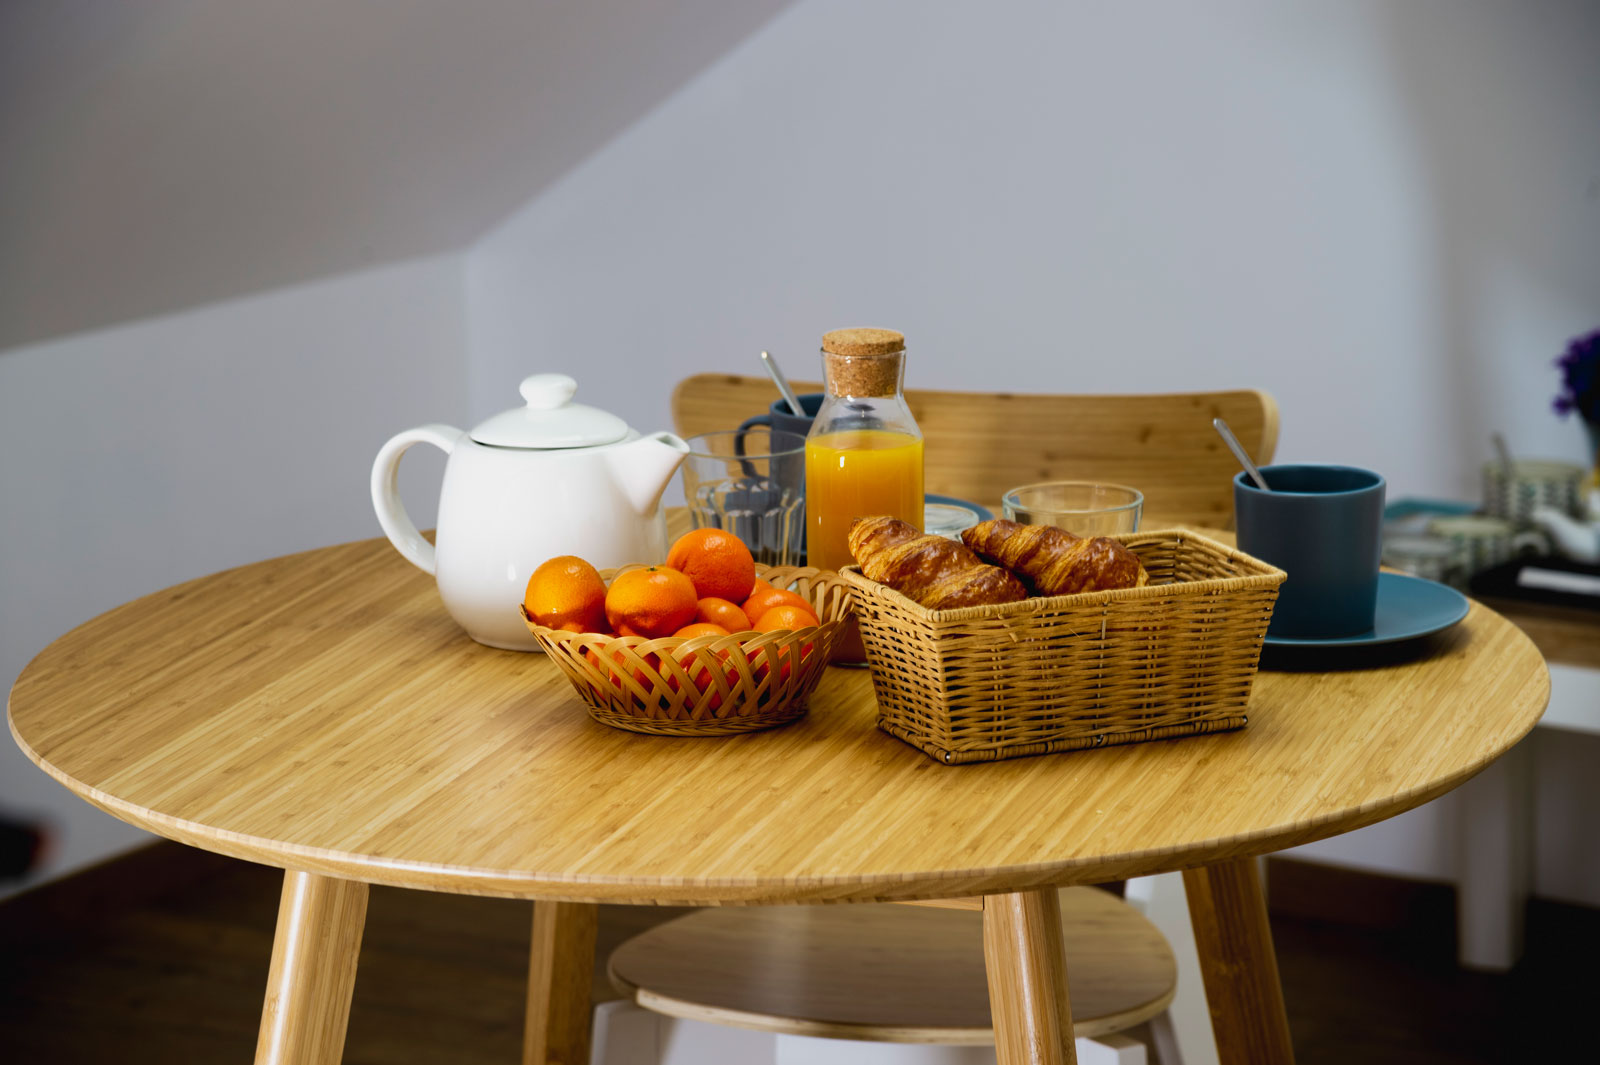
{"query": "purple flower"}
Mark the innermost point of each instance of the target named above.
(1580, 378)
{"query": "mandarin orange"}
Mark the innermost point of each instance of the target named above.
(702, 679)
(701, 628)
(716, 611)
(761, 667)
(620, 665)
(654, 601)
(786, 616)
(763, 601)
(716, 562)
(564, 592)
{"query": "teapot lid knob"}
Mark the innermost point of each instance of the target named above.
(547, 391)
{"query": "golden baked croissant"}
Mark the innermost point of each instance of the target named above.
(1054, 561)
(935, 571)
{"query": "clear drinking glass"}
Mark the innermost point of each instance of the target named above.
(947, 520)
(750, 482)
(1083, 508)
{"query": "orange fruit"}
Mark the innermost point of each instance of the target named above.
(702, 677)
(760, 666)
(703, 681)
(619, 665)
(564, 592)
(786, 616)
(763, 601)
(721, 612)
(655, 601)
(701, 628)
(716, 562)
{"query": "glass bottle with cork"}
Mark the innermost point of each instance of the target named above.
(864, 451)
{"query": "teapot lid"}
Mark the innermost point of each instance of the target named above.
(550, 419)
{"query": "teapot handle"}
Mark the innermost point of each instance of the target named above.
(397, 524)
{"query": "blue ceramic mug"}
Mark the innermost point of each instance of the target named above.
(1323, 526)
(781, 418)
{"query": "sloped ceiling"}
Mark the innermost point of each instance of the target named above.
(168, 153)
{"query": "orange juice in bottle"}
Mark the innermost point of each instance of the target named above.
(856, 473)
(864, 451)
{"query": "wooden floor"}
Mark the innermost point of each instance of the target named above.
(95, 970)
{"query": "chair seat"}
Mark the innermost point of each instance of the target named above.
(882, 972)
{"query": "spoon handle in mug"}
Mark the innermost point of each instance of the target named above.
(1239, 453)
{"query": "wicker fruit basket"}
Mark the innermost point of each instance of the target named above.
(704, 685)
(1174, 658)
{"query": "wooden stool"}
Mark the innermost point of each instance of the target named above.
(885, 973)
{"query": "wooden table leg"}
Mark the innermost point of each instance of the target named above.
(1027, 972)
(1229, 915)
(560, 967)
(313, 971)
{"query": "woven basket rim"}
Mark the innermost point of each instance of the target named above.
(1266, 576)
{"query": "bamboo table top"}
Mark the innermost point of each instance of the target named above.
(321, 712)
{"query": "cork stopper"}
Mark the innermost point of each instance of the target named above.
(863, 342)
(863, 362)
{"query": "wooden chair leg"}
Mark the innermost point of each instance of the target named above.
(1229, 915)
(1027, 973)
(313, 973)
(560, 967)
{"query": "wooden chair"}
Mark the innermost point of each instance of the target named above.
(885, 973)
(979, 444)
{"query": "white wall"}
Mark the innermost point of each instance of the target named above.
(1386, 213)
(151, 453)
(1100, 197)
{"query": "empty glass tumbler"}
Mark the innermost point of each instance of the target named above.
(1083, 508)
(750, 482)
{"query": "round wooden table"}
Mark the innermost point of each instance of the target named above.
(321, 713)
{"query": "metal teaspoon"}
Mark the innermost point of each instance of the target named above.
(783, 384)
(1238, 453)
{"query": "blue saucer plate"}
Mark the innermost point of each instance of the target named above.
(983, 513)
(1408, 607)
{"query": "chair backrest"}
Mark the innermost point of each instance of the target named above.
(979, 444)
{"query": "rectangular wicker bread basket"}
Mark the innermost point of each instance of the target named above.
(1174, 658)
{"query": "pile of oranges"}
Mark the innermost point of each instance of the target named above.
(707, 587)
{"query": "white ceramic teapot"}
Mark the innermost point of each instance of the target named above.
(551, 478)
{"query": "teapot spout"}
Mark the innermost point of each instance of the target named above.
(643, 467)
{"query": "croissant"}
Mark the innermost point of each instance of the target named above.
(1054, 561)
(937, 572)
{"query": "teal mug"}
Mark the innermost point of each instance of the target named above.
(1323, 526)
(781, 418)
